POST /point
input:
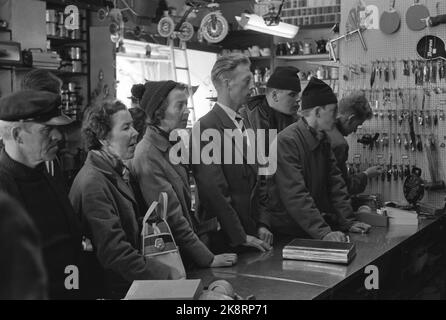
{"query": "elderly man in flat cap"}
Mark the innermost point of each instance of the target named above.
(29, 122)
(313, 197)
(275, 110)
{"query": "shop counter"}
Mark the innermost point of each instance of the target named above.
(268, 276)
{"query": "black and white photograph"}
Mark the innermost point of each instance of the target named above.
(240, 151)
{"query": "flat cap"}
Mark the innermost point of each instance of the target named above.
(33, 106)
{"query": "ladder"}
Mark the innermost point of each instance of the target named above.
(175, 70)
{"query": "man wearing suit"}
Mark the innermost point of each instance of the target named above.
(227, 191)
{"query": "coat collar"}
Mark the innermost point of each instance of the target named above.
(19, 170)
(308, 134)
(226, 122)
(157, 140)
(154, 138)
(102, 165)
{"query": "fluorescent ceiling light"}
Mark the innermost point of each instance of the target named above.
(256, 23)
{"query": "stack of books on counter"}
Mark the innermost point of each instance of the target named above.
(46, 60)
(319, 250)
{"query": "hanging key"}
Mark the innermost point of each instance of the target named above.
(421, 118)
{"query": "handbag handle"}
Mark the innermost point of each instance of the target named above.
(161, 205)
(147, 216)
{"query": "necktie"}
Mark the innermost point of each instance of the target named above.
(239, 120)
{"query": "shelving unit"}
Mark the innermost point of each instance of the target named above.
(310, 57)
(59, 73)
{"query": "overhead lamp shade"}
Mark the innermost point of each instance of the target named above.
(256, 23)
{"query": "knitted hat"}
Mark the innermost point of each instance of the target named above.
(154, 94)
(285, 78)
(317, 94)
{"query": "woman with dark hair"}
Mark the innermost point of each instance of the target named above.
(102, 196)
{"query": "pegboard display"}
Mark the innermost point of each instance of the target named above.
(408, 97)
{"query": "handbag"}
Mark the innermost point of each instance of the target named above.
(157, 240)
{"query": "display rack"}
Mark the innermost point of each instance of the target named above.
(394, 102)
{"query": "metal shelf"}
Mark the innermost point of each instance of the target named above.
(305, 57)
(260, 58)
(59, 41)
(55, 71)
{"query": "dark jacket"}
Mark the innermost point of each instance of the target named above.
(356, 183)
(227, 191)
(309, 185)
(48, 206)
(155, 173)
(109, 210)
(257, 114)
(22, 273)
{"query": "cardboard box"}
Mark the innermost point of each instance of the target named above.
(165, 290)
(373, 219)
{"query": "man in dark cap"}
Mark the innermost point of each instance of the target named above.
(29, 122)
(275, 110)
(313, 197)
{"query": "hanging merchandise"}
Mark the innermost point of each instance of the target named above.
(214, 27)
(166, 26)
(434, 21)
(431, 47)
(369, 16)
(390, 21)
(416, 15)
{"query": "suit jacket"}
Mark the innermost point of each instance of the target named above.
(227, 191)
(309, 185)
(109, 210)
(155, 173)
(356, 183)
(257, 114)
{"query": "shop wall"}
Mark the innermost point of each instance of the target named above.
(399, 46)
(26, 19)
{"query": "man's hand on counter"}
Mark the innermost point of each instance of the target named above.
(224, 260)
(265, 235)
(336, 236)
(256, 243)
(360, 227)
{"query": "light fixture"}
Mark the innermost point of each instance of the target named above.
(257, 23)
